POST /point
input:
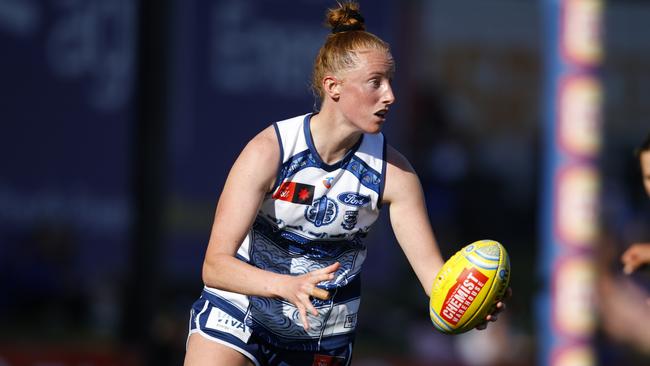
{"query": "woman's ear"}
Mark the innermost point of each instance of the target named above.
(332, 86)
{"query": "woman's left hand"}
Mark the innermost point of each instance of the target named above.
(500, 306)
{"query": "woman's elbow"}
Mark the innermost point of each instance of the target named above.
(210, 270)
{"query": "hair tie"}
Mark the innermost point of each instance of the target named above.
(344, 28)
(350, 27)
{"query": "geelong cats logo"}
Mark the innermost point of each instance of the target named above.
(322, 212)
(350, 220)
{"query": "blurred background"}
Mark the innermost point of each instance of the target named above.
(121, 118)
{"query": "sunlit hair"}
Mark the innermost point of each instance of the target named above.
(340, 51)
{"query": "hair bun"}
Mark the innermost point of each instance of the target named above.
(345, 18)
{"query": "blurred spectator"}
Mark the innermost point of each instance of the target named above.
(638, 254)
(622, 300)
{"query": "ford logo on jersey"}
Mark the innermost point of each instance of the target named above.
(353, 199)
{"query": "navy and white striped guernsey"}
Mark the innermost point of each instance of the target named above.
(316, 215)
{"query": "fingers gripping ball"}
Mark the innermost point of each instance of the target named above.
(468, 286)
(320, 294)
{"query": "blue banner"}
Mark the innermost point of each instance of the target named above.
(67, 108)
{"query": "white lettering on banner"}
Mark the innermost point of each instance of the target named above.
(94, 40)
(263, 55)
(222, 321)
(105, 214)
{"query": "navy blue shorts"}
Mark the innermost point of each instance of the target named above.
(227, 326)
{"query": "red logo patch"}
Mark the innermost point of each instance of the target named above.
(295, 192)
(462, 294)
(325, 360)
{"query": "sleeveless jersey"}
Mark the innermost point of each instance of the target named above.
(315, 216)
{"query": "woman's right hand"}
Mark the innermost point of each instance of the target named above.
(299, 289)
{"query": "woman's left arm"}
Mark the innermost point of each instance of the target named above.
(409, 218)
(410, 223)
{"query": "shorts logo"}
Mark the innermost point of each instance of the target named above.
(353, 199)
(322, 212)
(350, 321)
(295, 192)
(222, 321)
(350, 220)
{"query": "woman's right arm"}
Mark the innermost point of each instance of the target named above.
(251, 177)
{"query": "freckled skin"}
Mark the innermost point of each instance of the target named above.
(366, 89)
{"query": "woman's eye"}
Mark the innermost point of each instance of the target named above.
(375, 83)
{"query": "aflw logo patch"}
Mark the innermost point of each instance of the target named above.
(295, 192)
(460, 297)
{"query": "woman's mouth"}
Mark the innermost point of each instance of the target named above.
(381, 113)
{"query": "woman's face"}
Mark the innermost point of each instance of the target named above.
(365, 91)
(645, 170)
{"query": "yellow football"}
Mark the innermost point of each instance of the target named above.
(468, 286)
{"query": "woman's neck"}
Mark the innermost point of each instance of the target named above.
(333, 136)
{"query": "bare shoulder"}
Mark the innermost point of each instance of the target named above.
(264, 143)
(260, 159)
(396, 160)
(400, 176)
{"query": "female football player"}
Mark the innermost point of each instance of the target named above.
(282, 265)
